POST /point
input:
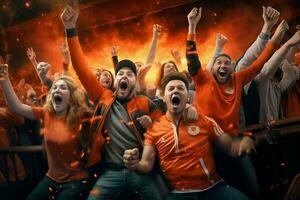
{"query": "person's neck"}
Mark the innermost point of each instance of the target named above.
(173, 117)
(124, 100)
(61, 114)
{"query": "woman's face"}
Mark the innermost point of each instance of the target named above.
(169, 68)
(31, 98)
(105, 79)
(60, 97)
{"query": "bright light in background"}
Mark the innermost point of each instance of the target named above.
(27, 4)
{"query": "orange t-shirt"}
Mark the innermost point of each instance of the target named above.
(185, 152)
(222, 101)
(292, 101)
(62, 148)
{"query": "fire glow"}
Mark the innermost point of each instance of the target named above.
(133, 37)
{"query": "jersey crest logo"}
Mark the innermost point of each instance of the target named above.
(193, 130)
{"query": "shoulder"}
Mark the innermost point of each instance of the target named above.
(161, 124)
(206, 121)
(141, 101)
(141, 98)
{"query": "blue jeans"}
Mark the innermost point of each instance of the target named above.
(50, 189)
(238, 172)
(220, 191)
(112, 182)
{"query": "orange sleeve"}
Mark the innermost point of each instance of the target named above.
(198, 75)
(65, 67)
(215, 130)
(249, 73)
(80, 65)
(150, 137)
(38, 112)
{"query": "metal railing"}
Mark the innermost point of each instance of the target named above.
(271, 131)
(8, 153)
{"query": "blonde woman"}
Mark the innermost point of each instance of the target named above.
(61, 114)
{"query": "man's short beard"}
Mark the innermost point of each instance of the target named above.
(130, 92)
(216, 78)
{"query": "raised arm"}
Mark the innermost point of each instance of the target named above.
(176, 56)
(41, 68)
(290, 75)
(114, 55)
(145, 165)
(152, 51)
(274, 63)
(141, 76)
(64, 50)
(31, 55)
(13, 102)
(248, 74)
(86, 76)
(291, 53)
(221, 40)
(193, 62)
(270, 17)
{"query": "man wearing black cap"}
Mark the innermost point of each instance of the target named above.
(124, 118)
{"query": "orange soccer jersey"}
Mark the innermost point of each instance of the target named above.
(185, 152)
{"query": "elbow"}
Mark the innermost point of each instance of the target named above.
(13, 109)
(147, 170)
(16, 108)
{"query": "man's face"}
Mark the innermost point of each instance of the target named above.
(222, 69)
(176, 97)
(169, 68)
(60, 96)
(105, 79)
(125, 83)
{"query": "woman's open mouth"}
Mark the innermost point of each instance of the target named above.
(57, 99)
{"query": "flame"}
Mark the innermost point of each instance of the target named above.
(133, 36)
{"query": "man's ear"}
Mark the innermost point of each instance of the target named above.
(161, 93)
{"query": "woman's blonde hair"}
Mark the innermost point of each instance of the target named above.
(77, 108)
